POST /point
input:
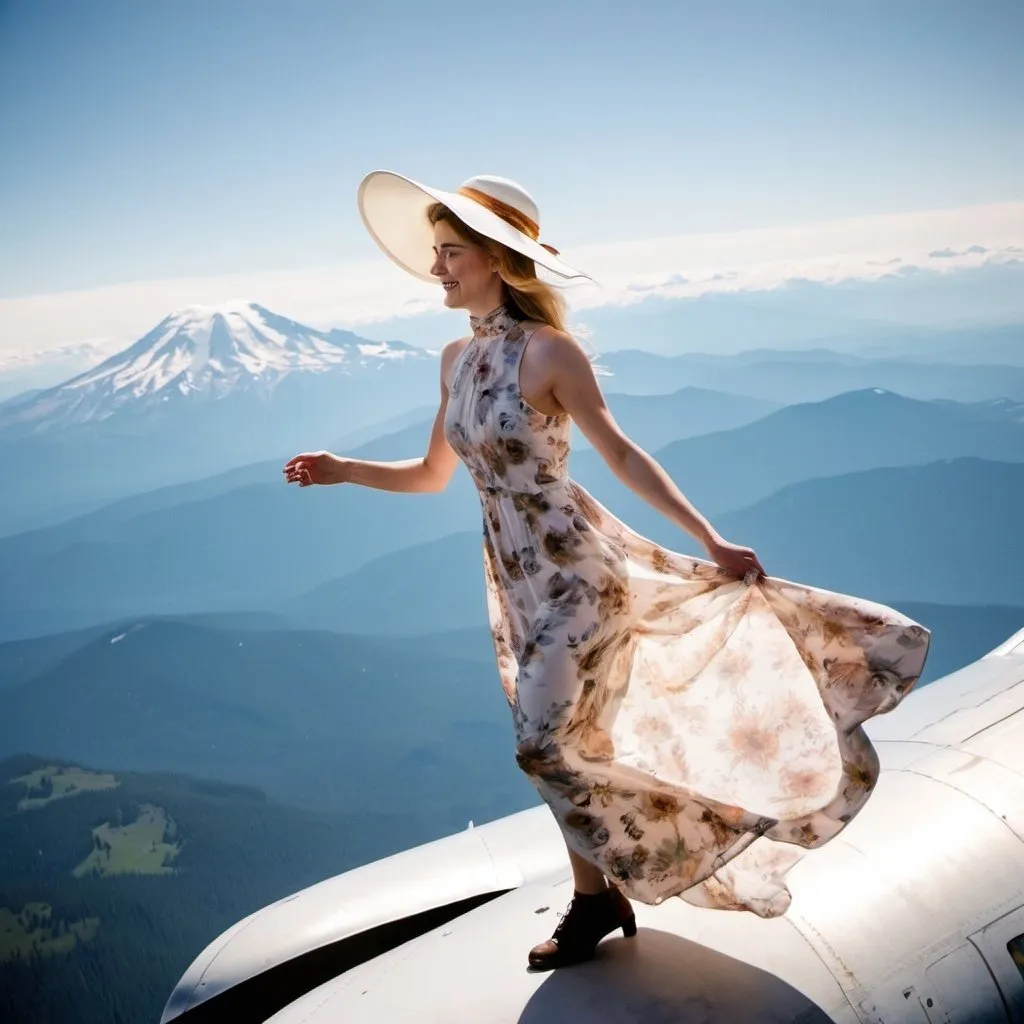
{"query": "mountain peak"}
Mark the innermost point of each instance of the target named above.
(209, 351)
(223, 308)
(203, 316)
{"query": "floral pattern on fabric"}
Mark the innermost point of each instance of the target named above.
(692, 733)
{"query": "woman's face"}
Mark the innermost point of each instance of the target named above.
(464, 270)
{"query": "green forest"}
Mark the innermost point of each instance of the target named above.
(110, 876)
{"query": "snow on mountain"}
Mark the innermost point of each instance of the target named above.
(206, 353)
(1004, 408)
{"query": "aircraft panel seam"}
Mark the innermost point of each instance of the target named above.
(1008, 715)
(817, 952)
(970, 796)
(966, 707)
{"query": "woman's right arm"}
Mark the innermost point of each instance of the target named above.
(424, 475)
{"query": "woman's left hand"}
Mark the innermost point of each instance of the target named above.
(734, 557)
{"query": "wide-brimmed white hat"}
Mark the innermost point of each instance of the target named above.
(394, 210)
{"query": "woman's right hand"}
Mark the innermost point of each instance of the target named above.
(735, 558)
(315, 468)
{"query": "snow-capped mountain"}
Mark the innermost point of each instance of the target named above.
(205, 391)
(201, 354)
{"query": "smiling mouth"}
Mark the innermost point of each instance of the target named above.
(449, 285)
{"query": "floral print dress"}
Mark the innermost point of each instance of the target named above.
(692, 733)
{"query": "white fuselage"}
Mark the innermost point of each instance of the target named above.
(907, 915)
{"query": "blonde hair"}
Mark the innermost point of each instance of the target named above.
(527, 297)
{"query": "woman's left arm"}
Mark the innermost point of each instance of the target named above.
(575, 388)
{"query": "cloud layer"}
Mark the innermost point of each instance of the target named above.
(41, 328)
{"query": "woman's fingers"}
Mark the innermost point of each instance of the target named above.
(296, 459)
(297, 471)
(748, 562)
(737, 559)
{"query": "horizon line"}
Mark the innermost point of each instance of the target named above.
(678, 266)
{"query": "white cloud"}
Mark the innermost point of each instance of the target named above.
(108, 318)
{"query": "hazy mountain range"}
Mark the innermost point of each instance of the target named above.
(859, 430)
(300, 714)
(208, 390)
(938, 533)
(968, 315)
(242, 544)
(812, 375)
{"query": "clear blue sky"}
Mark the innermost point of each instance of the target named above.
(151, 138)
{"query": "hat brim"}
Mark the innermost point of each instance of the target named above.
(394, 210)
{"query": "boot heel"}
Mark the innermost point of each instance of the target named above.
(629, 927)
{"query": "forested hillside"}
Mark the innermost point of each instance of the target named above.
(111, 876)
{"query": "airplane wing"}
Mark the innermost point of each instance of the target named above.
(915, 912)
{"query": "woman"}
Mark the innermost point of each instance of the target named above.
(669, 710)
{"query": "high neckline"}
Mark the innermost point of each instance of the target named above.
(498, 321)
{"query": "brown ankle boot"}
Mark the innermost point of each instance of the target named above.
(589, 918)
